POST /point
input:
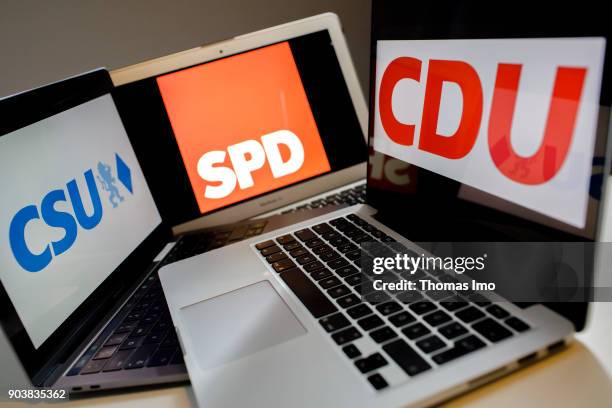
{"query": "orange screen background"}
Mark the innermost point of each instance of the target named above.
(224, 102)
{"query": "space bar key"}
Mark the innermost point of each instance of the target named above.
(308, 293)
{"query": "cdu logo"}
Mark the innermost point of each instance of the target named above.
(69, 222)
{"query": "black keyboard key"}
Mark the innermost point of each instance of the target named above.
(320, 274)
(334, 322)
(461, 348)
(377, 297)
(170, 340)
(388, 308)
(454, 303)
(285, 239)
(479, 299)
(401, 319)
(125, 328)
(139, 358)
(359, 311)
(338, 291)
(321, 249)
(346, 271)
(338, 241)
(383, 334)
(517, 324)
(329, 256)
(131, 343)
(116, 363)
(353, 280)
(322, 228)
(313, 243)
(313, 266)
(140, 331)
(132, 317)
(469, 314)
(116, 339)
(409, 296)
(305, 234)
(422, 307)
(377, 381)
(306, 258)
(452, 330)
(154, 338)
(371, 363)
(348, 301)
(346, 336)
(105, 352)
(414, 331)
(298, 252)
(162, 325)
(292, 246)
(331, 235)
(329, 282)
(408, 359)
(362, 238)
(264, 245)
(276, 257)
(340, 220)
(337, 263)
(161, 357)
(93, 366)
(353, 255)
(430, 344)
(370, 322)
(491, 330)
(270, 250)
(497, 311)
(351, 351)
(437, 318)
(347, 248)
(283, 265)
(309, 294)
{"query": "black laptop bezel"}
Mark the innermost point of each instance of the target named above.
(448, 20)
(19, 111)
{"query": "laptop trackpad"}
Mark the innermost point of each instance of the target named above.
(219, 330)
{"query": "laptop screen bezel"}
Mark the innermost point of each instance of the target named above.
(22, 110)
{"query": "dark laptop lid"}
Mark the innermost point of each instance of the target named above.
(79, 221)
(491, 120)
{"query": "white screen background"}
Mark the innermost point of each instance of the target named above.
(43, 157)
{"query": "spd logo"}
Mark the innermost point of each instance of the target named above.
(243, 125)
(68, 221)
(515, 118)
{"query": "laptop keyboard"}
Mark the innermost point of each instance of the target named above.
(351, 196)
(415, 331)
(143, 334)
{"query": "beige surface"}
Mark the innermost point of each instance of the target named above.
(577, 377)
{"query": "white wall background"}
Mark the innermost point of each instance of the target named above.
(43, 41)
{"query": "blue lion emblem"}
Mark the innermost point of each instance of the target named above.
(108, 184)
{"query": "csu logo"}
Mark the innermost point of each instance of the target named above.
(69, 222)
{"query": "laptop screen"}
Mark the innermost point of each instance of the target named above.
(75, 205)
(229, 130)
(498, 128)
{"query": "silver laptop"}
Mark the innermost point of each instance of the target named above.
(302, 317)
(263, 123)
(196, 158)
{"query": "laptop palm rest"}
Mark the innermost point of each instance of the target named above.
(234, 325)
